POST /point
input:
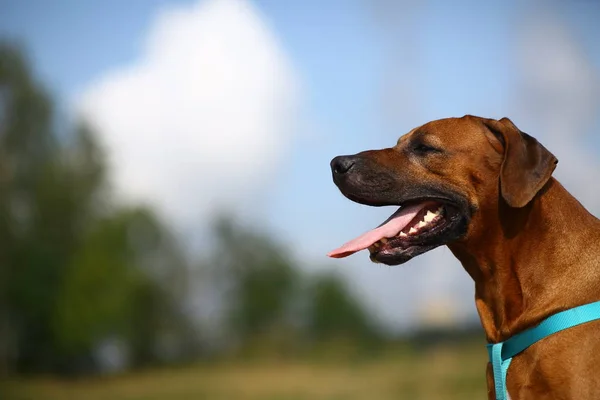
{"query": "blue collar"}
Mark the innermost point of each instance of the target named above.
(501, 354)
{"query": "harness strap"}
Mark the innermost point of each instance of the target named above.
(501, 354)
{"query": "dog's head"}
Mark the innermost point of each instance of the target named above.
(443, 175)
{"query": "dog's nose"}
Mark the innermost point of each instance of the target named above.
(342, 164)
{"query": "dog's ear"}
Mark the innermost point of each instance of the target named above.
(527, 165)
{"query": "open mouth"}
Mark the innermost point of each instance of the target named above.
(414, 229)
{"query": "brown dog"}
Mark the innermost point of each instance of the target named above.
(484, 188)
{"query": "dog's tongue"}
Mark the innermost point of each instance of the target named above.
(389, 228)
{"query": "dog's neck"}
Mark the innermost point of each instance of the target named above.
(516, 284)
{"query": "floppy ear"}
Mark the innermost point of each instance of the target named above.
(527, 165)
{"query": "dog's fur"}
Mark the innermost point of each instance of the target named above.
(531, 248)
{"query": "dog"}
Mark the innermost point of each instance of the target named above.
(485, 189)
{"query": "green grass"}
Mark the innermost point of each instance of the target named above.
(456, 372)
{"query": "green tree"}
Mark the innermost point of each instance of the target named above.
(46, 195)
(262, 280)
(335, 313)
(127, 280)
(74, 268)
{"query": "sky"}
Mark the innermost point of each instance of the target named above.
(237, 105)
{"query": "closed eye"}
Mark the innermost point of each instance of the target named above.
(422, 148)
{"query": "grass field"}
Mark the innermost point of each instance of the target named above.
(456, 372)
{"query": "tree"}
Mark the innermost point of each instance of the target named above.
(74, 267)
(335, 313)
(261, 279)
(127, 280)
(44, 199)
(266, 294)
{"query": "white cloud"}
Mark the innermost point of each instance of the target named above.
(558, 98)
(204, 115)
(557, 79)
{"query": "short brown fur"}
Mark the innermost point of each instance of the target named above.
(531, 247)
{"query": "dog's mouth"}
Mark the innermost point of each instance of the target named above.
(415, 228)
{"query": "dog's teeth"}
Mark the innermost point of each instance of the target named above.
(412, 230)
(439, 210)
(422, 224)
(384, 240)
(403, 234)
(429, 216)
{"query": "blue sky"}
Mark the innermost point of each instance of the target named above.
(442, 59)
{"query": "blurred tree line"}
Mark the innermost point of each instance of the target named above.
(79, 272)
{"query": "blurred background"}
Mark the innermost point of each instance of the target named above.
(166, 202)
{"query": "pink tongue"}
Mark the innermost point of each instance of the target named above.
(389, 228)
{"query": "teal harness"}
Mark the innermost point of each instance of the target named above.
(501, 354)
